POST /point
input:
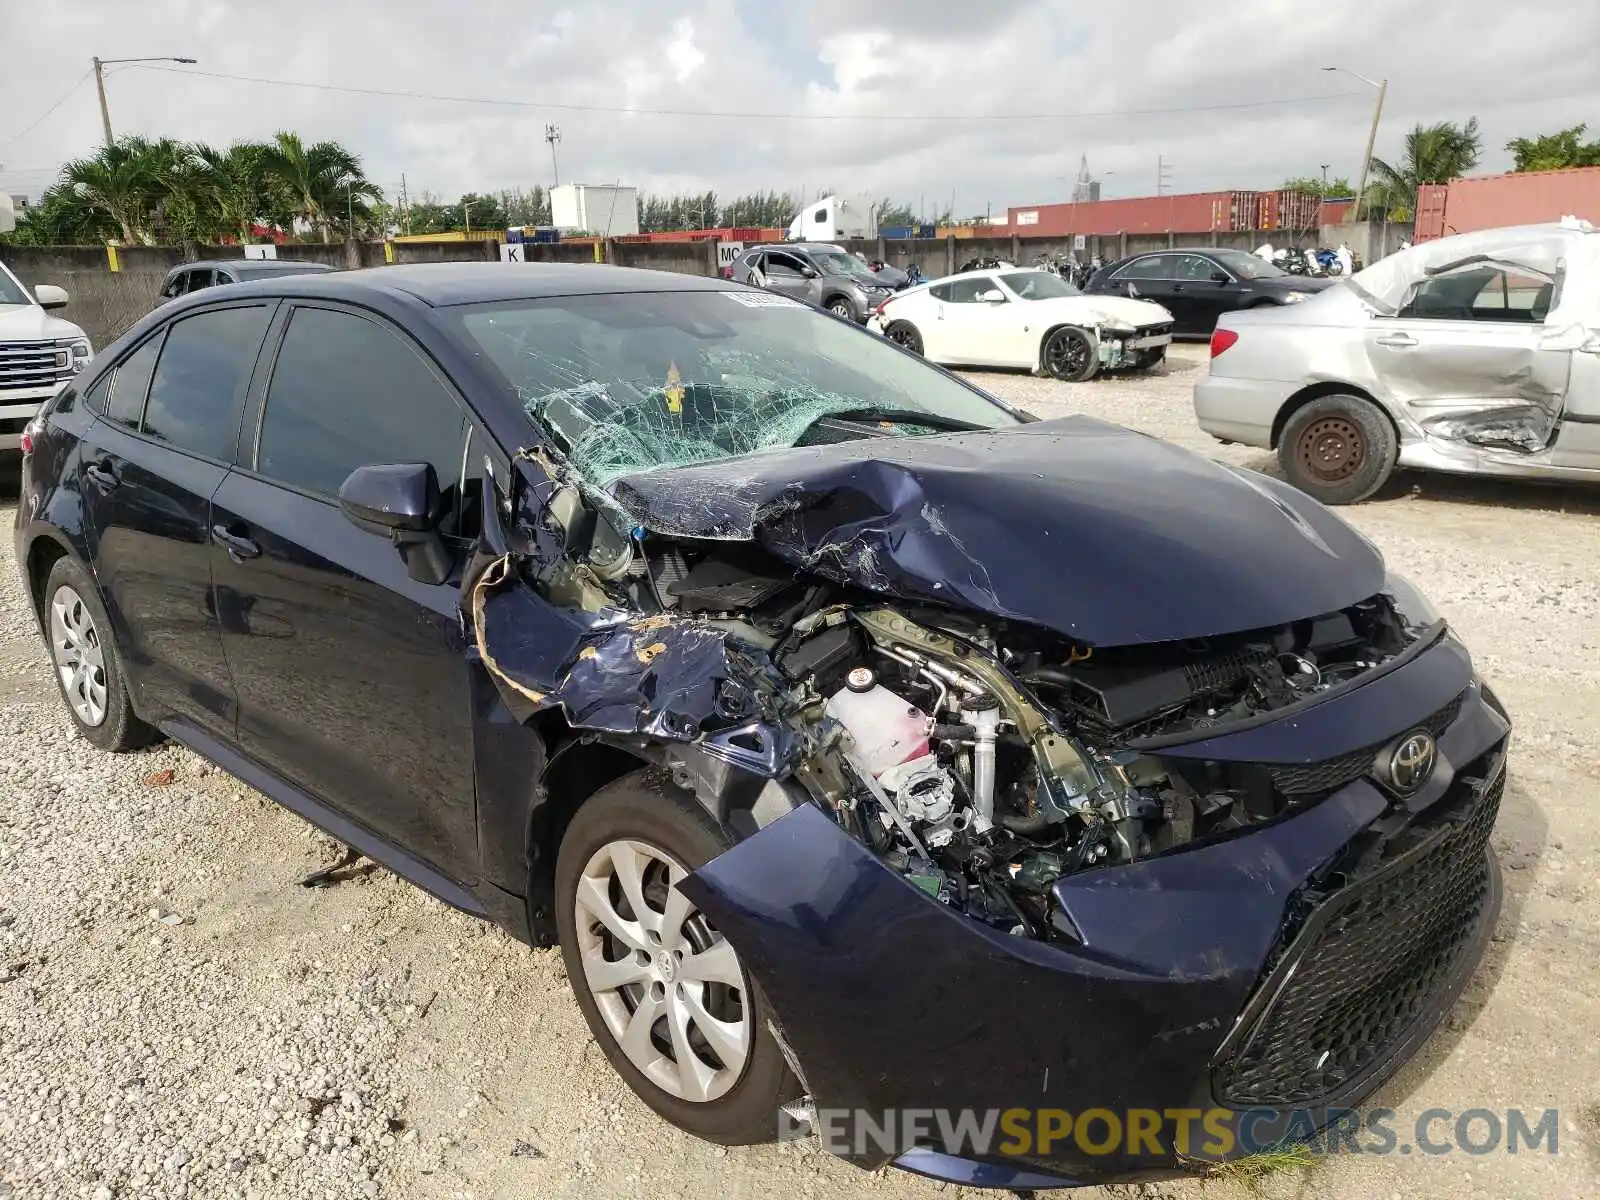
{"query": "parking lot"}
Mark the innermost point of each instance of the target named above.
(179, 1018)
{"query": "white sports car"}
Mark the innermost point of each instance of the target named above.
(1014, 317)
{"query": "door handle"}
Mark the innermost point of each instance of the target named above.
(1397, 339)
(1177, 287)
(238, 546)
(101, 475)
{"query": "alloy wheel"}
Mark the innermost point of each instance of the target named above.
(1067, 354)
(79, 656)
(669, 987)
(840, 308)
(1332, 449)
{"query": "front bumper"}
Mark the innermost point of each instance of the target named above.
(1240, 410)
(1200, 980)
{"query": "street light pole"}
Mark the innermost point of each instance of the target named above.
(1372, 133)
(100, 64)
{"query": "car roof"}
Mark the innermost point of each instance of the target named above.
(253, 266)
(442, 285)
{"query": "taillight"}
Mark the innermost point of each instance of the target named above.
(878, 312)
(1221, 339)
(30, 435)
(727, 272)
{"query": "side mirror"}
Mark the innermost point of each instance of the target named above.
(992, 296)
(1220, 277)
(50, 296)
(400, 500)
(809, 272)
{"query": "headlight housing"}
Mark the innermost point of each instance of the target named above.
(73, 355)
(1415, 609)
(1296, 297)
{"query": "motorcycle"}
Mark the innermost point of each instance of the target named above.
(986, 262)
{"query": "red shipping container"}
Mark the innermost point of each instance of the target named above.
(1191, 212)
(1428, 221)
(1519, 198)
(1268, 216)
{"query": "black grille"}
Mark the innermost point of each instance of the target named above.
(1310, 778)
(1224, 671)
(1370, 962)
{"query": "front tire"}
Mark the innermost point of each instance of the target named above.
(841, 308)
(1339, 449)
(1069, 354)
(905, 335)
(665, 994)
(88, 668)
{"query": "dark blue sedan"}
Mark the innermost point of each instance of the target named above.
(1006, 796)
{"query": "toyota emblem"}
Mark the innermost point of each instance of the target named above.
(1412, 761)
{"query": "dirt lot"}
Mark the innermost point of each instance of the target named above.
(177, 1018)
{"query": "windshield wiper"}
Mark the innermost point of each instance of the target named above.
(903, 416)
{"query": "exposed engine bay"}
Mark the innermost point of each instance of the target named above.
(985, 760)
(984, 714)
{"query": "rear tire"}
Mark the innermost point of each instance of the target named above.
(1339, 449)
(1069, 354)
(905, 335)
(642, 827)
(88, 669)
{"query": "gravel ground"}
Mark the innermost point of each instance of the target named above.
(178, 1018)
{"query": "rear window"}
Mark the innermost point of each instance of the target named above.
(129, 383)
(199, 382)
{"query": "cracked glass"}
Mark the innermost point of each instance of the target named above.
(633, 382)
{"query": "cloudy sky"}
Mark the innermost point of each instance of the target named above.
(992, 102)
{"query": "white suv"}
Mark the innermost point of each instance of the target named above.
(38, 353)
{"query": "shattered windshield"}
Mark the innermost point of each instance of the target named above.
(837, 262)
(1038, 285)
(636, 381)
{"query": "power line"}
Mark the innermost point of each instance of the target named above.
(747, 116)
(64, 96)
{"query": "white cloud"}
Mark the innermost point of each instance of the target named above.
(938, 60)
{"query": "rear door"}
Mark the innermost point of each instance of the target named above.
(1465, 350)
(352, 676)
(162, 447)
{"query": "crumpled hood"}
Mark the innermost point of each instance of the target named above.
(1099, 533)
(30, 323)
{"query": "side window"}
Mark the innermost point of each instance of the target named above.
(1144, 268)
(347, 392)
(174, 286)
(820, 217)
(199, 382)
(1191, 268)
(129, 384)
(783, 264)
(199, 279)
(940, 292)
(967, 290)
(1484, 293)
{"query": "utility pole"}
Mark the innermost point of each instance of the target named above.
(405, 203)
(1162, 172)
(466, 213)
(100, 64)
(1372, 134)
(349, 210)
(552, 134)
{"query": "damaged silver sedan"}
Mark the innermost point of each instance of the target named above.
(1477, 354)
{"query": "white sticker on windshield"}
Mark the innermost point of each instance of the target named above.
(762, 299)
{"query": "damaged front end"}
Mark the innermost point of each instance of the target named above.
(1036, 781)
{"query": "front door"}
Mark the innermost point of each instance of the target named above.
(1153, 278)
(169, 424)
(1465, 352)
(352, 676)
(980, 331)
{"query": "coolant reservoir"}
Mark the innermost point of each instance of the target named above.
(886, 729)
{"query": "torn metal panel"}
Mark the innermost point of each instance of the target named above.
(661, 676)
(1034, 523)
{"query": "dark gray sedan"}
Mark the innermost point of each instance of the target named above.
(817, 273)
(191, 277)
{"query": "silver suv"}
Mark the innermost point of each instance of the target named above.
(816, 273)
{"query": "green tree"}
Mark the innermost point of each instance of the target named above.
(1313, 185)
(1555, 151)
(242, 192)
(1434, 154)
(324, 179)
(115, 182)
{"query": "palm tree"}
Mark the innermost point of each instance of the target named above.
(239, 184)
(115, 181)
(322, 178)
(1434, 154)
